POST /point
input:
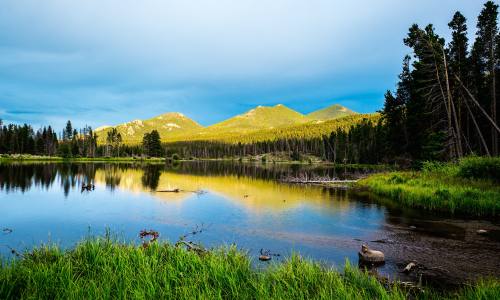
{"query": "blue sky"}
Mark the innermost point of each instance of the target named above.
(105, 62)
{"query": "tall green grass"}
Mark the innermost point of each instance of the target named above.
(103, 269)
(468, 187)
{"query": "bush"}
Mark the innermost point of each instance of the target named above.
(480, 168)
(432, 166)
(397, 179)
(175, 156)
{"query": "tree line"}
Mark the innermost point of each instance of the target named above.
(445, 104)
(443, 108)
(72, 142)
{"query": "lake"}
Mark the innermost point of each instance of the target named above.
(237, 203)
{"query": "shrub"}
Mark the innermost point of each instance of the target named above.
(480, 168)
(432, 166)
(397, 179)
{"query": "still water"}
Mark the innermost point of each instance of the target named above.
(240, 204)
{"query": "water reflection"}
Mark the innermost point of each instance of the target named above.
(23, 176)
(243, 204)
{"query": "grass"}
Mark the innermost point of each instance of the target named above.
(103, 269)
(469, 187)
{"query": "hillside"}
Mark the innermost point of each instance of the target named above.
(331, 112)
(261, 117)
(260, 123)
(311, 129)
(169, 125)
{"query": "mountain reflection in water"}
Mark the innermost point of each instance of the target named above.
(244, 204)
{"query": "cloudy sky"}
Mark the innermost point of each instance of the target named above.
(102, 62)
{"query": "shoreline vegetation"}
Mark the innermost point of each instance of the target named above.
(261, 159)
(470, 187)
(100, 268)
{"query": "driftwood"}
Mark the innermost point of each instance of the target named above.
(305, 179)
(169, 191)
(176, 190)
(190, 246)
(325, 181)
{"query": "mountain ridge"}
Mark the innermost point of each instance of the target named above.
(176, 126)
(331, 112)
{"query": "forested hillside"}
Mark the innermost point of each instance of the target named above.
(256, 124)
(168, 125)
(331, 112)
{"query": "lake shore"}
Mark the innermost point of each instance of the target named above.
(253, 160)
(102, 268)
(469, 187)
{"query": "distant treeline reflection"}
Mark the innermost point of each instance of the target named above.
(21, 177)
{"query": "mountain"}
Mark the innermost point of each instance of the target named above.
(169, 125)
(261, 117)
(262, 121)
(331, 112)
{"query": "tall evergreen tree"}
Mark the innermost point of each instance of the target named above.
(485, 58)
(68, 131)
(151, 144)
(461, 74)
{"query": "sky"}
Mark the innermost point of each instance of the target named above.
(106, 62)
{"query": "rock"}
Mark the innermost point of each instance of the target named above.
(264, 258)
(413, 227)
(409, 267)
(368, 255)
(482, 231)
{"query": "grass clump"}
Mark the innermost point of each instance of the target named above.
(468, 187)
(102, 269)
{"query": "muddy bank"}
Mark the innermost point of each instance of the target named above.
(446, 252)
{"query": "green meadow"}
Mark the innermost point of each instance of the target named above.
(469, 187)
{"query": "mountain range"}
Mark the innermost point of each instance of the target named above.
(177, 127)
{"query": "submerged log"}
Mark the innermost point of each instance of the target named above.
(368, 255)
(169, 191)
(190, 246)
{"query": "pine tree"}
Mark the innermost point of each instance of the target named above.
(68, 131)
(461, 73)
(484, 58)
